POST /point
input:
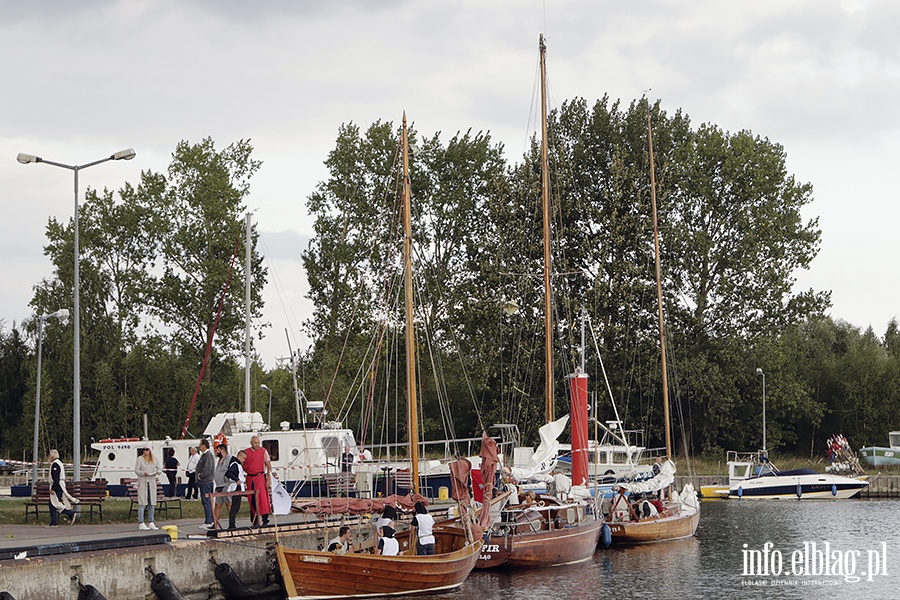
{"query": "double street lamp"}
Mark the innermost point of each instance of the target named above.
(26, 159)
(62, 314)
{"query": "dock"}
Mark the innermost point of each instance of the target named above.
(42, 563)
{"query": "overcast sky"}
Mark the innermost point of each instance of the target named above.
(82, 80)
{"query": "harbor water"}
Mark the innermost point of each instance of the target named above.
(744, 549)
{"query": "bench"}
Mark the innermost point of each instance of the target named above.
(340, 484)
(162, 501)
(89, 493)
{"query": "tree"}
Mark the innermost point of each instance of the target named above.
(197, 216)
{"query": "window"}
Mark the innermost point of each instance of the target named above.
(272, 447)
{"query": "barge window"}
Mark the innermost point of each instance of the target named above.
(272, 447)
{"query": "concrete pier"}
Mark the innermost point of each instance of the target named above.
(121, 573)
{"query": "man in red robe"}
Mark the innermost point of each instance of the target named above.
(258, 468)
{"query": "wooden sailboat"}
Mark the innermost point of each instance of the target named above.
(549, 531)
(673, 516)
(314, 574)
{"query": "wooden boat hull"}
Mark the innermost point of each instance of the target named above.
(655, 529)
(543, 548)
(310, 574)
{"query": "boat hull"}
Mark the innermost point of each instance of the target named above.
(657, 529)
(543, 548)
(788, 486)
(310, 574)
(878, 456)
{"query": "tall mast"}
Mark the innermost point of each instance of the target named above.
(412, 405)
(659, 298)
(545, 197)
(248, 278)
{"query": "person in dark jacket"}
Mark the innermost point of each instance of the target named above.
(170, 468)
(206, 473)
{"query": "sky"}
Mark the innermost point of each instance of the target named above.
(82, 80)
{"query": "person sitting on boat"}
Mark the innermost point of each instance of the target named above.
(423, 524)
(529, 497)
(386, 519)
(341, 544)
(509, 485)
(387, 545)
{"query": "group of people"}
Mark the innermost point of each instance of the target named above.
(210, 471)
(422, 526)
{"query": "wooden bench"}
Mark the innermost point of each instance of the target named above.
(89, 493)
(340, 484)
(162, 501)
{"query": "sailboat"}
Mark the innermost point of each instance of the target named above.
(672, 516)
(549, 531)
(316, 574)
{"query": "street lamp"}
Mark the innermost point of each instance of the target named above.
(265, 387)
(26, 159)
(760, 372)
(62, 314)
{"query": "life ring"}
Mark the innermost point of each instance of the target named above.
(541, 503)
(219, 439)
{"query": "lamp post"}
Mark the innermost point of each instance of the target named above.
(265, 387)
(760, 372)
(62, 314)
(26, 159)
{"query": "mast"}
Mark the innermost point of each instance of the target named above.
(659, 298)
(545, 197)
(248, 277)
(411, 403)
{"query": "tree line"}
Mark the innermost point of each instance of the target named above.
(156, 260)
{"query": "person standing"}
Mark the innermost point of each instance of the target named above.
(423, 525)
(347, 460)
(191, 469)
(387, 544)
(60, 500)
(222, 464)
(147, 470)
(206, 472)
(170, 468)
(236, 482)
(258, 466)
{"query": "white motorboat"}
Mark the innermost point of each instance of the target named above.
(807, 484)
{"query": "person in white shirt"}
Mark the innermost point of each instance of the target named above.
(423, 525)
(341, 544)
(387, 545)
(192, 492)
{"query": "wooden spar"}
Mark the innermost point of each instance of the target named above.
(412, 405)
(545, 197)
(659, 298)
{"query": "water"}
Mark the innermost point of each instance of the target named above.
(712, 564)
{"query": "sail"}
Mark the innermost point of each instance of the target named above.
(489, 459)
(544, 458)
(359, 506)
(663, 479)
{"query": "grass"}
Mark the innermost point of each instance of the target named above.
(705, 465)
(115, 510)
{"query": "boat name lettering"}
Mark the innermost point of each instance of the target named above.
(116, 446)
(491, 548)
(317, 559)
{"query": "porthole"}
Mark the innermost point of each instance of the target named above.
(111, 456)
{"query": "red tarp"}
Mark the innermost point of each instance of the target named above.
(489, 460)
(358, 506)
